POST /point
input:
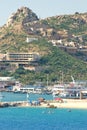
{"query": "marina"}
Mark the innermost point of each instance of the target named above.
(11, 99)
(63, 95)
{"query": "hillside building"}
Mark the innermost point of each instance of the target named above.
(28, 60)
(22, 57)
(28, 40)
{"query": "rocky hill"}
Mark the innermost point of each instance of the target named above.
(68, 32)
(13, 31)
(24, 15)
(65, 27)
(65, 32)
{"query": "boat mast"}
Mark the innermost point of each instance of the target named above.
(73, 79)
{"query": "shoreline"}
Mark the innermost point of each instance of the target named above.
(72, 104)
(67, 103)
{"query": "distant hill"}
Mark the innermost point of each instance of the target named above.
(66, 27)
(63, 30)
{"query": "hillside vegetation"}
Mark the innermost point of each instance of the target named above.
(53, 61)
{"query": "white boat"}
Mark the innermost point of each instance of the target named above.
(70, 90)
(16, 87)
(57, 89)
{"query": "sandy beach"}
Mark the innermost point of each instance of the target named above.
(67, 103)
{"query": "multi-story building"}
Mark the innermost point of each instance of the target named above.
(28, 60)
(22, 57)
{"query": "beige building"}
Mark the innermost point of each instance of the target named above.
(28, 60)
(22, 57)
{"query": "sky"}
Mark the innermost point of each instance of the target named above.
(42, 8)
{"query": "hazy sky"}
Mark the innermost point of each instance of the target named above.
(43, 8)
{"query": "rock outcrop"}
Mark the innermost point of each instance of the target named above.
(23, 14)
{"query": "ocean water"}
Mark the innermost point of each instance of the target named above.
(42, 119)
(10, 96)
(25, 118)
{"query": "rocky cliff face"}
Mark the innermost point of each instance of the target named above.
(23, 14)
(67, 27)
(64, 30)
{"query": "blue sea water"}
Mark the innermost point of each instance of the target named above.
(25, 118)
(10, 96)
(42, 119)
